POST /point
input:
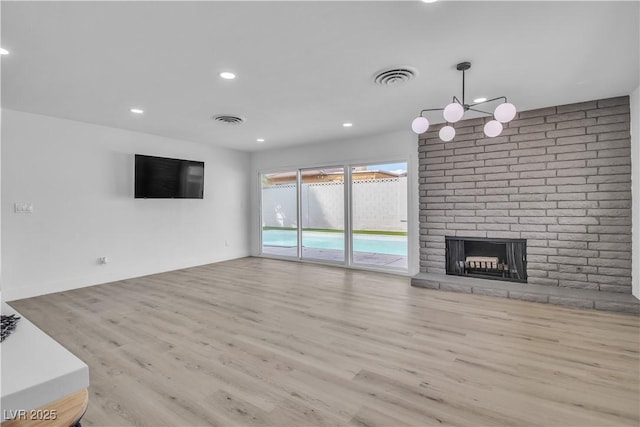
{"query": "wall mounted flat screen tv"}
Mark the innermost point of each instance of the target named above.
(164, 178)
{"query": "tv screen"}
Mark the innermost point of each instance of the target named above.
(164, 178)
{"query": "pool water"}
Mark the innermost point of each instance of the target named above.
(372, 243)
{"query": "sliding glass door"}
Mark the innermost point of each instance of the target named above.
(355, 215)
(379, 215)
(322, 214)
(280, 213)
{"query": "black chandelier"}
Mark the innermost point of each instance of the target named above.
(453, 112)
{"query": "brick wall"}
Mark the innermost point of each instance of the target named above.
(559, 177)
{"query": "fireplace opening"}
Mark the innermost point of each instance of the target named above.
(501, 259)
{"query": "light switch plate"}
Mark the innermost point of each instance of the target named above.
(23, 207)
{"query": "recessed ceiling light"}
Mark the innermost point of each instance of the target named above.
(483, 99)
(4, 51)
(429, 1)
(136, 111)
(347, 125)
(260, 140)
(227, 75)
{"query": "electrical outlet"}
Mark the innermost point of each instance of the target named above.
(103, 260)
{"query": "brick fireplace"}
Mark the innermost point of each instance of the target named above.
(557, 177)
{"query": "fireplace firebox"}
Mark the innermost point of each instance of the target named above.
(501, 259)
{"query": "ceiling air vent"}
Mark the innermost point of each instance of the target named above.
(228, 119)
(394, 76)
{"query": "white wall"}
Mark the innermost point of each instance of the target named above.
(635, 191)
(390, 147)
(1, 297)
(79, 178)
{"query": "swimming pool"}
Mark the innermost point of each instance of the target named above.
(372, 243)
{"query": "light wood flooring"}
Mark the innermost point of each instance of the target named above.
(259, 342)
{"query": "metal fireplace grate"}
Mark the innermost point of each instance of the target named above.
(502, 259)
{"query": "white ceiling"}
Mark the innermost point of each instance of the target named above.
(304, 68)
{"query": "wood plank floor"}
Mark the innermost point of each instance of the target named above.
(259, 342)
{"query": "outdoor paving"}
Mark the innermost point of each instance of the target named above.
(333, 255)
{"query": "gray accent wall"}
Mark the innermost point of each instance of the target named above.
(559, 177)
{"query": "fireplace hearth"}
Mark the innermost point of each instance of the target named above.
(498, 259)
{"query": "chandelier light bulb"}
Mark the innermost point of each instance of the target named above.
(504, 113)
(447, 133)
(420, 125)
(493, 128)
(453, 112)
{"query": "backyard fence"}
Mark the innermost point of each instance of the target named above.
(378, 205)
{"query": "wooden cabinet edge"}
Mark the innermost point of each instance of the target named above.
(64, 412)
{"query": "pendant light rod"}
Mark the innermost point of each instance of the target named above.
(463, 66)
(463, 104)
